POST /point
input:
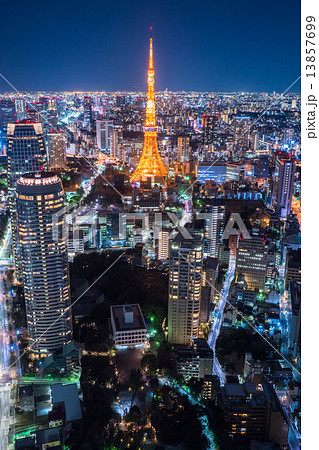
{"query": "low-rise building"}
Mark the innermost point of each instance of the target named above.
(128, 326)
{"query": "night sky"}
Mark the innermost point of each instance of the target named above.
(224, 45)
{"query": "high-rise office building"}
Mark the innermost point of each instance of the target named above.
(242, 126)
(289, 135)
(87, 111)
(263, 167)
(283, 185)
(52, 116)
(44, 258)
(185, 271)
(7, 114)
(164, 243)
(252, 262)
(120, 101)
(104, 129)
(214, 227)
(20, 109)
(183, 148)
(56, 150)
(26, 153)
(33, 115)
(209, 128)
(255, 138)
(114, 150)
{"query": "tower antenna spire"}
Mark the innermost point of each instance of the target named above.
(150, 165)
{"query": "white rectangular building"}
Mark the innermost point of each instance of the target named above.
(128, 326)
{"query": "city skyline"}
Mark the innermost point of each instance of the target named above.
(208, 55)
(150, 225)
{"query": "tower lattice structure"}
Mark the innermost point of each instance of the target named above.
(150, 165)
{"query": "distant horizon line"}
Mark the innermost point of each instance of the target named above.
(183, 91)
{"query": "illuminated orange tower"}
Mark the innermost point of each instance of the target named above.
(150, 165)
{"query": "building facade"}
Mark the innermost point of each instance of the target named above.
(128, 326)
(284, 182)
(26, 153)
(185, 271)
(214, 227)
(252, 262)
(104, 129)
(183, 149)
(56, 150)
(44, 261)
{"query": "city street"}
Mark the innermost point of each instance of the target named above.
(5, 384)
(217, 318)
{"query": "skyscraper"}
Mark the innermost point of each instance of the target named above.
(56, 150)
(20, 109)
(183, 148)
(214, 227)
(185, 270)
(44, 258)
(104, 130)
(209, 128)
(150, 165)
(252, 262)
(7, 114)
(33, 115)
(114, 150)
(26, 153)
(263, 167)
(164, 243)
(284, 181)
(52, 116)
(241, 126)
(87, 109)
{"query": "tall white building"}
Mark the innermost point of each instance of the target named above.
(185, 271)
(214, 228)
(44, 260)
(104, 130)
(164, 243)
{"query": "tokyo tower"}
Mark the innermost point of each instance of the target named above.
(150, 165)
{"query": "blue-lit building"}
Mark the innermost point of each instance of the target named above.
(7, 114)
(220, 173)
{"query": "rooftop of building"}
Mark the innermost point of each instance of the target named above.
(239, 390)
(67, 394)
(211, 263)
(128, 317)
(200, 349)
